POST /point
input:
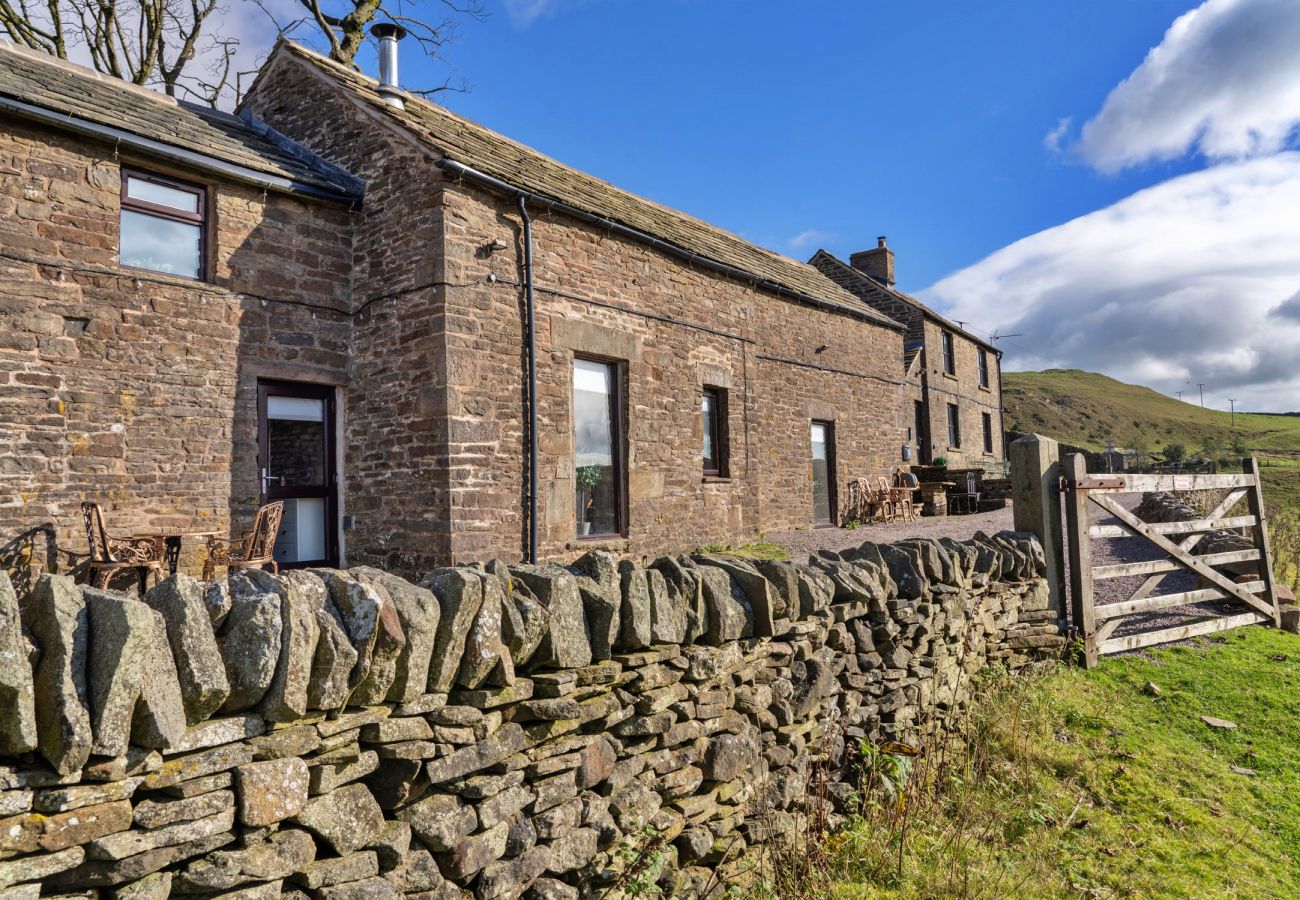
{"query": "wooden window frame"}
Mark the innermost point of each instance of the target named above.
(984, 368)
(721, 445)
(954, 426)
(618, 441)
(157, 211)
(987, 419)
(948, 348)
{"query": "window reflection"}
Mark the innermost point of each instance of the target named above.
(596, 494)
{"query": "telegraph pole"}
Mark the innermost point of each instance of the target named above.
(1233, 401)
(1202, 387)
(1180, 396)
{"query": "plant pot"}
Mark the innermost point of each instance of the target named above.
(584, 529)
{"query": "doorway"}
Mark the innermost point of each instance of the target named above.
(922, 433)
(296, 461)
(823, 473)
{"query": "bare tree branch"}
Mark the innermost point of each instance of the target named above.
(157, 42)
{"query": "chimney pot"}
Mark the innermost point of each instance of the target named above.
(388, 34)
(880, 241)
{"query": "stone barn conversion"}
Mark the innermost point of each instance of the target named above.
(433, 343)
(954, 379)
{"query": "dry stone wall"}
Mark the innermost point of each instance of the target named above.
(497, 731)
(1160, 506)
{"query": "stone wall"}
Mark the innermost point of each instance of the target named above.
(972, 400)
(495, 731)
(1160, 506)
(138, 389)
(672, 328)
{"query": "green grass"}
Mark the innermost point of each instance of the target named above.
(1081, 784)
(1088, 409)
(760, 549)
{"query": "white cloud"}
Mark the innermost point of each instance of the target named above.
(807, 239)
(524, 14)
(1053, 140)
(1225, 80)
(1196, 279)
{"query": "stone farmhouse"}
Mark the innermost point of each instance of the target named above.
(436, 345)
(954, 379)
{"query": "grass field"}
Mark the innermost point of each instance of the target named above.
(1090, 784)
(1089, 409)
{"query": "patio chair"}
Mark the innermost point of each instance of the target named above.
(886, 510)
(109, 555)
(905, 485)
(253, 550)
(859, 500)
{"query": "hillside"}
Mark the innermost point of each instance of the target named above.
(1088, 409)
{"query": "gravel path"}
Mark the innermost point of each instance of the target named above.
(1109, 551)
(803, 542)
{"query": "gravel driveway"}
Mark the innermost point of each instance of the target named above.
(803, 542)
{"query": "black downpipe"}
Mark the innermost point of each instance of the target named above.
(531, 339)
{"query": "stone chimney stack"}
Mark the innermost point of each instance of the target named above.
(877, 262)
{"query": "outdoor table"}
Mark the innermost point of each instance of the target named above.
(934, 496)
(172, 540)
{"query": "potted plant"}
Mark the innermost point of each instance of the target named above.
(588, 478)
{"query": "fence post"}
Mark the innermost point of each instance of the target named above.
(1075, 470)
(1255, 500)
(1035, 476)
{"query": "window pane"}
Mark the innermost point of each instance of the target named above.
(596, 494)
(161, 195)
(295, 438)
(821, 474)
(708, 416)
(160, 244)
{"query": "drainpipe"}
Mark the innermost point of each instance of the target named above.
(531, 338)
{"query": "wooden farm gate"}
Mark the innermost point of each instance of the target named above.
(1096, 624)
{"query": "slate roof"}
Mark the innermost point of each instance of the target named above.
(76, 96)
(522, 167)
(872, 287)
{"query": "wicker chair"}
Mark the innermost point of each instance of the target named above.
(905, 484)
(253, 550)
(109, 555)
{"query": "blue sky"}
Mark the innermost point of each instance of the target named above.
(924, 122)
(1116, 181)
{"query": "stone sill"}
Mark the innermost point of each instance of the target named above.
(716, 479)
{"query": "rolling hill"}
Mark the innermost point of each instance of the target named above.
(1087, 409)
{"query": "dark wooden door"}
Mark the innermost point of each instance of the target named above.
(922, 432)
(296, 459)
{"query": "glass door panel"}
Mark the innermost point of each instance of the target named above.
(296, 459)
(823, 474)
